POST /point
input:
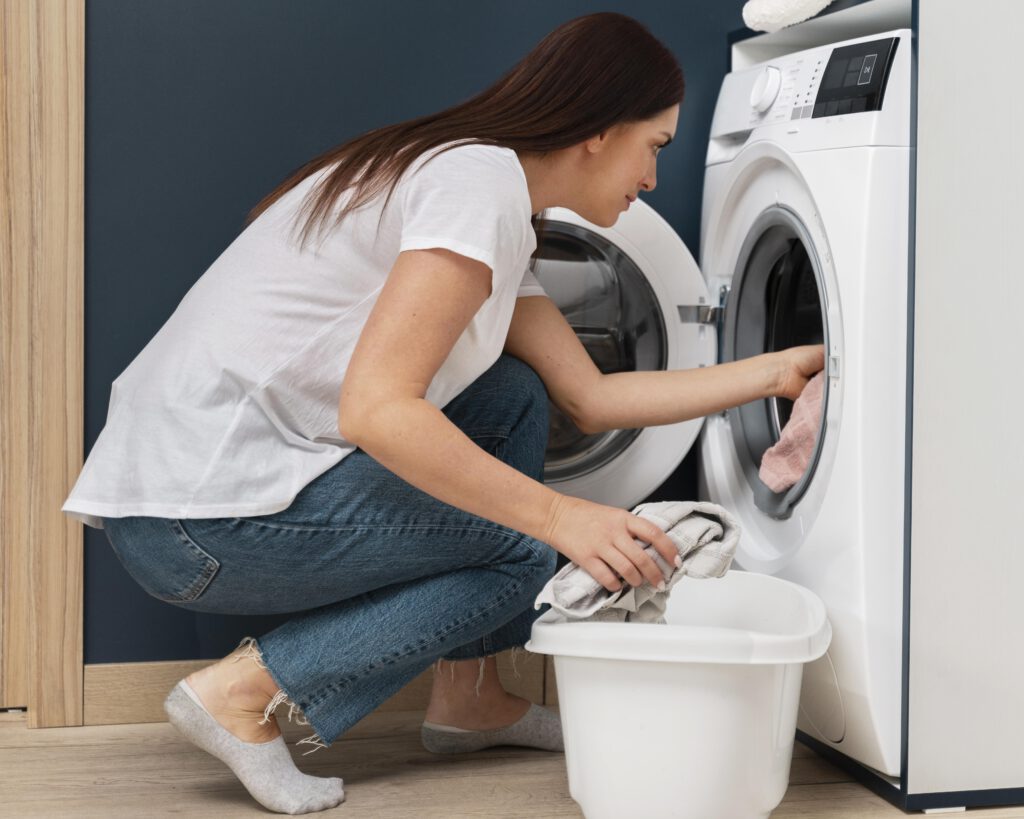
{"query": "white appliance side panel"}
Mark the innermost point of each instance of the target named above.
(966, 673)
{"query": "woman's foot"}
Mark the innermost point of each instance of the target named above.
(496, 712)
(266, 769)
(455, 701)
(470, 710)
(236, 695)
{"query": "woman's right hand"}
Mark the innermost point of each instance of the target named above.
(600, 539)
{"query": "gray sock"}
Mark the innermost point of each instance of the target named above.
(265, 768)
(537, 728)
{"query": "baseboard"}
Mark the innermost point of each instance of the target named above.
(118, 693)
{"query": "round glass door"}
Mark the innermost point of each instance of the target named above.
(776, 302)
(610, 304)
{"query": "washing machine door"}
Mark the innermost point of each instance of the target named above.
(765, 246)
(637, 301)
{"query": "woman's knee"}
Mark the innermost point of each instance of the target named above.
(536, 555)
(547, 560)
(507, 398)
(526, 403)
(521, 377)
(521, 384)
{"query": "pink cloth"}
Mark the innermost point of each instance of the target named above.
(785, 463)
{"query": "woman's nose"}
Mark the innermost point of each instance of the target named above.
(649, 182)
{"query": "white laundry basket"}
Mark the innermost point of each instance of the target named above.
(694, 718)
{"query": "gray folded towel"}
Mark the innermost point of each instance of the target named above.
(706, 536)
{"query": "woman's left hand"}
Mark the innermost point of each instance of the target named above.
(797, 366)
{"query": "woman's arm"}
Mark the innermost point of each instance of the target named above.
(428, 300)
(640, 399)
(540, 336)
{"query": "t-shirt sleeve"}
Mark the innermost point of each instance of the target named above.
(465, 202)
(530, 286)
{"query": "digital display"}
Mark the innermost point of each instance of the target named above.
(855, 77)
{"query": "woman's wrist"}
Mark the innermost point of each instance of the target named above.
(774, 373)
(552, 516)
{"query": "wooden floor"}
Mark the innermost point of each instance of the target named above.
(148, 770)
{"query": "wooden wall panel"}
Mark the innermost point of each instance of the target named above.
(42, 47)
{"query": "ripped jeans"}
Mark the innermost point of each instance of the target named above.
(385, 578)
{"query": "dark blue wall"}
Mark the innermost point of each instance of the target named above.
(195, 109)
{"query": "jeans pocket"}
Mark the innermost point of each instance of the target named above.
(162, 558)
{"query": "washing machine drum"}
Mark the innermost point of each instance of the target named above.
(616, 316)
(621, 290)
(775, 302)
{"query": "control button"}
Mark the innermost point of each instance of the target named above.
(867, 70)
(808, 109)
(859, 104)
(831, 108)
(796, 112)
(844, 107)
(766, 89)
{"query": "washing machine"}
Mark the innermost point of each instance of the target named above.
(804, 240)
(805, 233)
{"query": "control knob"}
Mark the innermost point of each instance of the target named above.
(766, 89)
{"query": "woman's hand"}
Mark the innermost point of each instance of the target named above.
(600, 539)
(797, 366)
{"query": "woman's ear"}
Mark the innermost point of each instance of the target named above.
(597, 143)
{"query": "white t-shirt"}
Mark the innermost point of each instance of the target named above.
(232, 407)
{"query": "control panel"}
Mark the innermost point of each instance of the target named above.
(823, 82)
(855, 92)
(854, 79)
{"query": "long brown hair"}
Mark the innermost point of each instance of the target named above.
(587, 75)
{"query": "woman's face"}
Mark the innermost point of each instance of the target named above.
(620, 163)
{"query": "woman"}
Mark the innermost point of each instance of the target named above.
(355, 430)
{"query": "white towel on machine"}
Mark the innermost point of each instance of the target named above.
(771, 15)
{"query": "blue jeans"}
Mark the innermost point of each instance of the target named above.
(386, 578)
